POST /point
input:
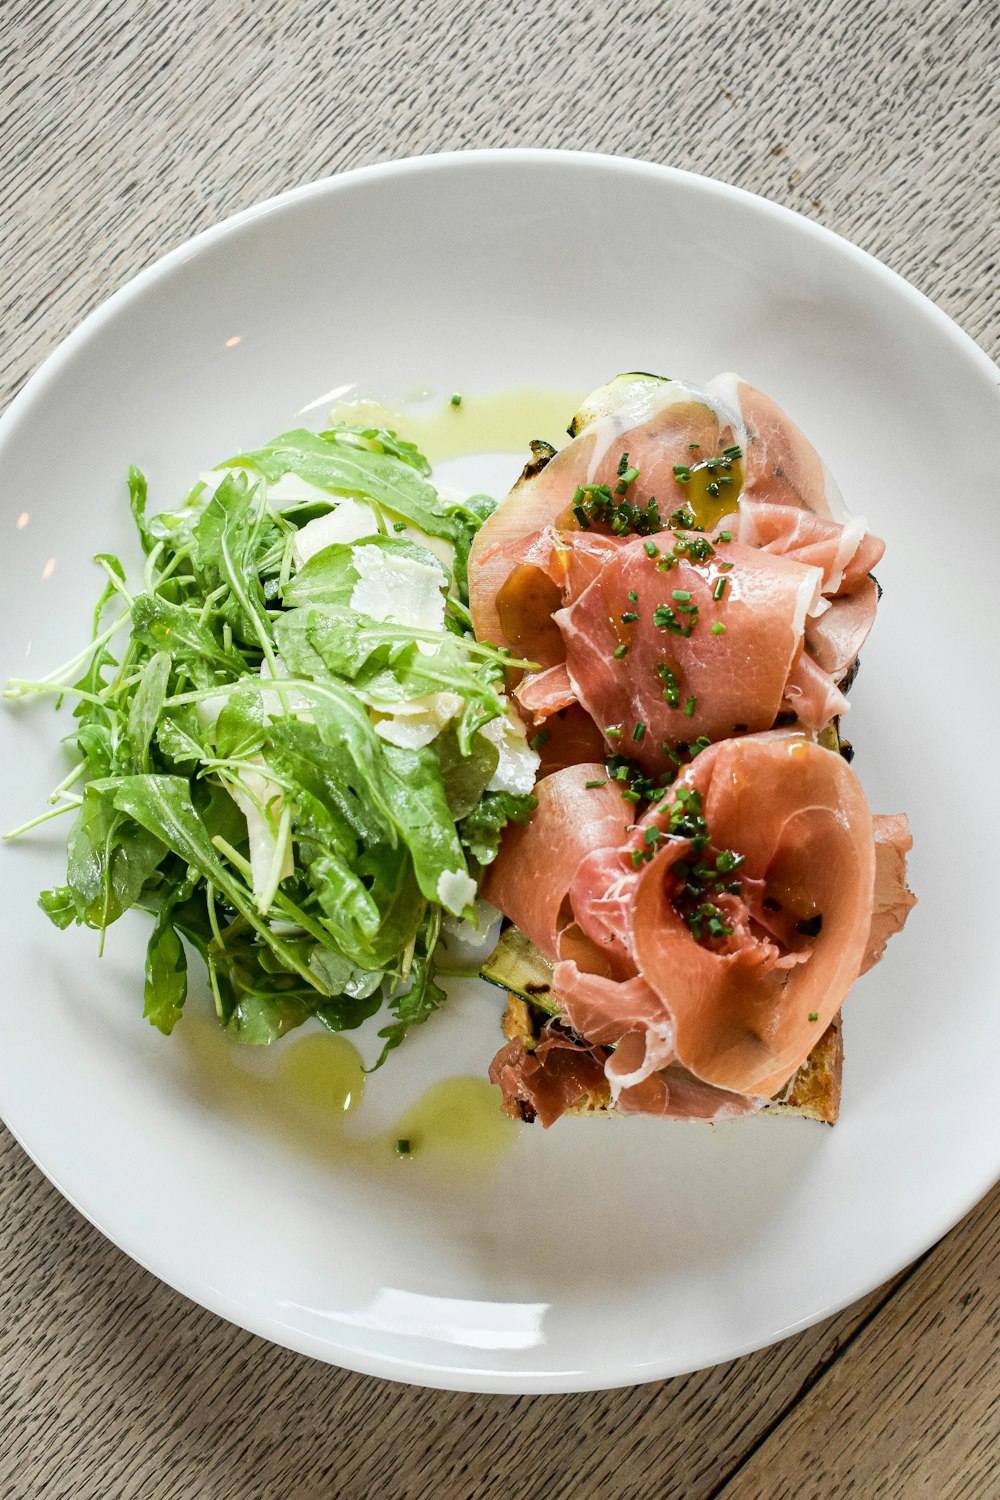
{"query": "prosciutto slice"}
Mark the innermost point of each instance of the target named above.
(780, 465)
(531, 876)
(745, 1017)
(893, 899)
(690, 1023)
(679, 680)
(836, 631)
(659, 423)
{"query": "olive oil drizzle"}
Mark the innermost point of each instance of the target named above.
(309, 1103)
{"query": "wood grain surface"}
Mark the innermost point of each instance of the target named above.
(128, 126)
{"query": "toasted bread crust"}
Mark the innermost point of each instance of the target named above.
(813, 1093)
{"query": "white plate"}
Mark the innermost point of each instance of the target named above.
(597, 1254)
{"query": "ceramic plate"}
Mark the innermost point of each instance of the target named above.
(600, 1253)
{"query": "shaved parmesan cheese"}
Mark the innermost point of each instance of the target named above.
(397, 588)
(455, 891)
(255, 791)
(518, 764)
(469, 943)
(349, 522)
(417, 721)
(290, 489)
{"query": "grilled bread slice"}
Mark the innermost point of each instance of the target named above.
(518, 967)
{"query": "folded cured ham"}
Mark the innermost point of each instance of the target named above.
(702, 880)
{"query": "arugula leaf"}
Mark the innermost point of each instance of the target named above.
(239, 729)
(146, 708)
(137, 496)
(412, 1006)
(166, 975)
(481, 830)
(465, 777)
(344, 469)
(468, 520)
(422, 816)
(329, 576)
(59, 906)
(109, 858)
(380, 440)
(162, 626)
(162, 805)
(178, 735)
(227, 541)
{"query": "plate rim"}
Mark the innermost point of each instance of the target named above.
(454, 1376)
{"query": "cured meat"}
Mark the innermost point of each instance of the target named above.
(531, 877)
(570, 738)
(846, 554)
(701, 949)
(647, 665)
(780, 465)
(836, 636)
(726, 989)
(555, 1076)
(812, 695)
(545, 693)
(658, 423)
(893, 900)
(747, 1010)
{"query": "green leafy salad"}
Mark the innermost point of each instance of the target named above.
(292, 751)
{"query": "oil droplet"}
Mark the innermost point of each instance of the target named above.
(322, 1073)
(722, 475)
(499, 422)
(456, 1117)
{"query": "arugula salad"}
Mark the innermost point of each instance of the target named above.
(291, 751)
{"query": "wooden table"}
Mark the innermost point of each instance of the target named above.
(129, 126)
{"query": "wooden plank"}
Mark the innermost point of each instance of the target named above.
(912, 1407)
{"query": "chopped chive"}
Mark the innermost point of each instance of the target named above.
(718, 628)
(541, 738)
(582, 517)
(651, 549)
(694, 445)
(399, 525)
(628, 477)
(652, 836)
(456, 399)
(633, 596)
(681, 595)
(725, 567)
(814, 1015)
(689, 707)
(623, 463)
(629, 617)
(639, 730)
(612, 732)
(589, 784)
(620, 651)
(724, 536)
(733, 451)
(682, 473)
(403, 1147)
(720, 588)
